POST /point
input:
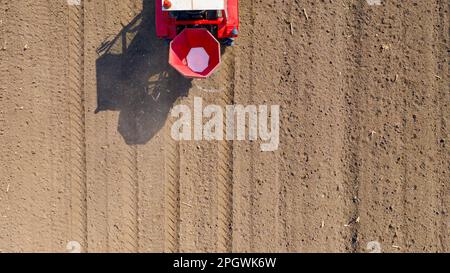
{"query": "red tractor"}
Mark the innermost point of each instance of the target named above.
(196, 29)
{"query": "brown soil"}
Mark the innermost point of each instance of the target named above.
(86, 153)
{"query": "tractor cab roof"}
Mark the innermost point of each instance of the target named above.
(179, 5)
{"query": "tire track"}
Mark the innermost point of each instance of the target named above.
(172, 194)
(129, 232)
(352, 154)
(225, 165)
(283, 206)
(58, 146)
(258, 181)
(244, 219)
(42, 12)
(130, 189)
(77, 139)
(252, 148)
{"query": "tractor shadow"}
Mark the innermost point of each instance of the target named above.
(134, 78)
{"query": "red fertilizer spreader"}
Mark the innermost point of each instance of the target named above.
(196, 30)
